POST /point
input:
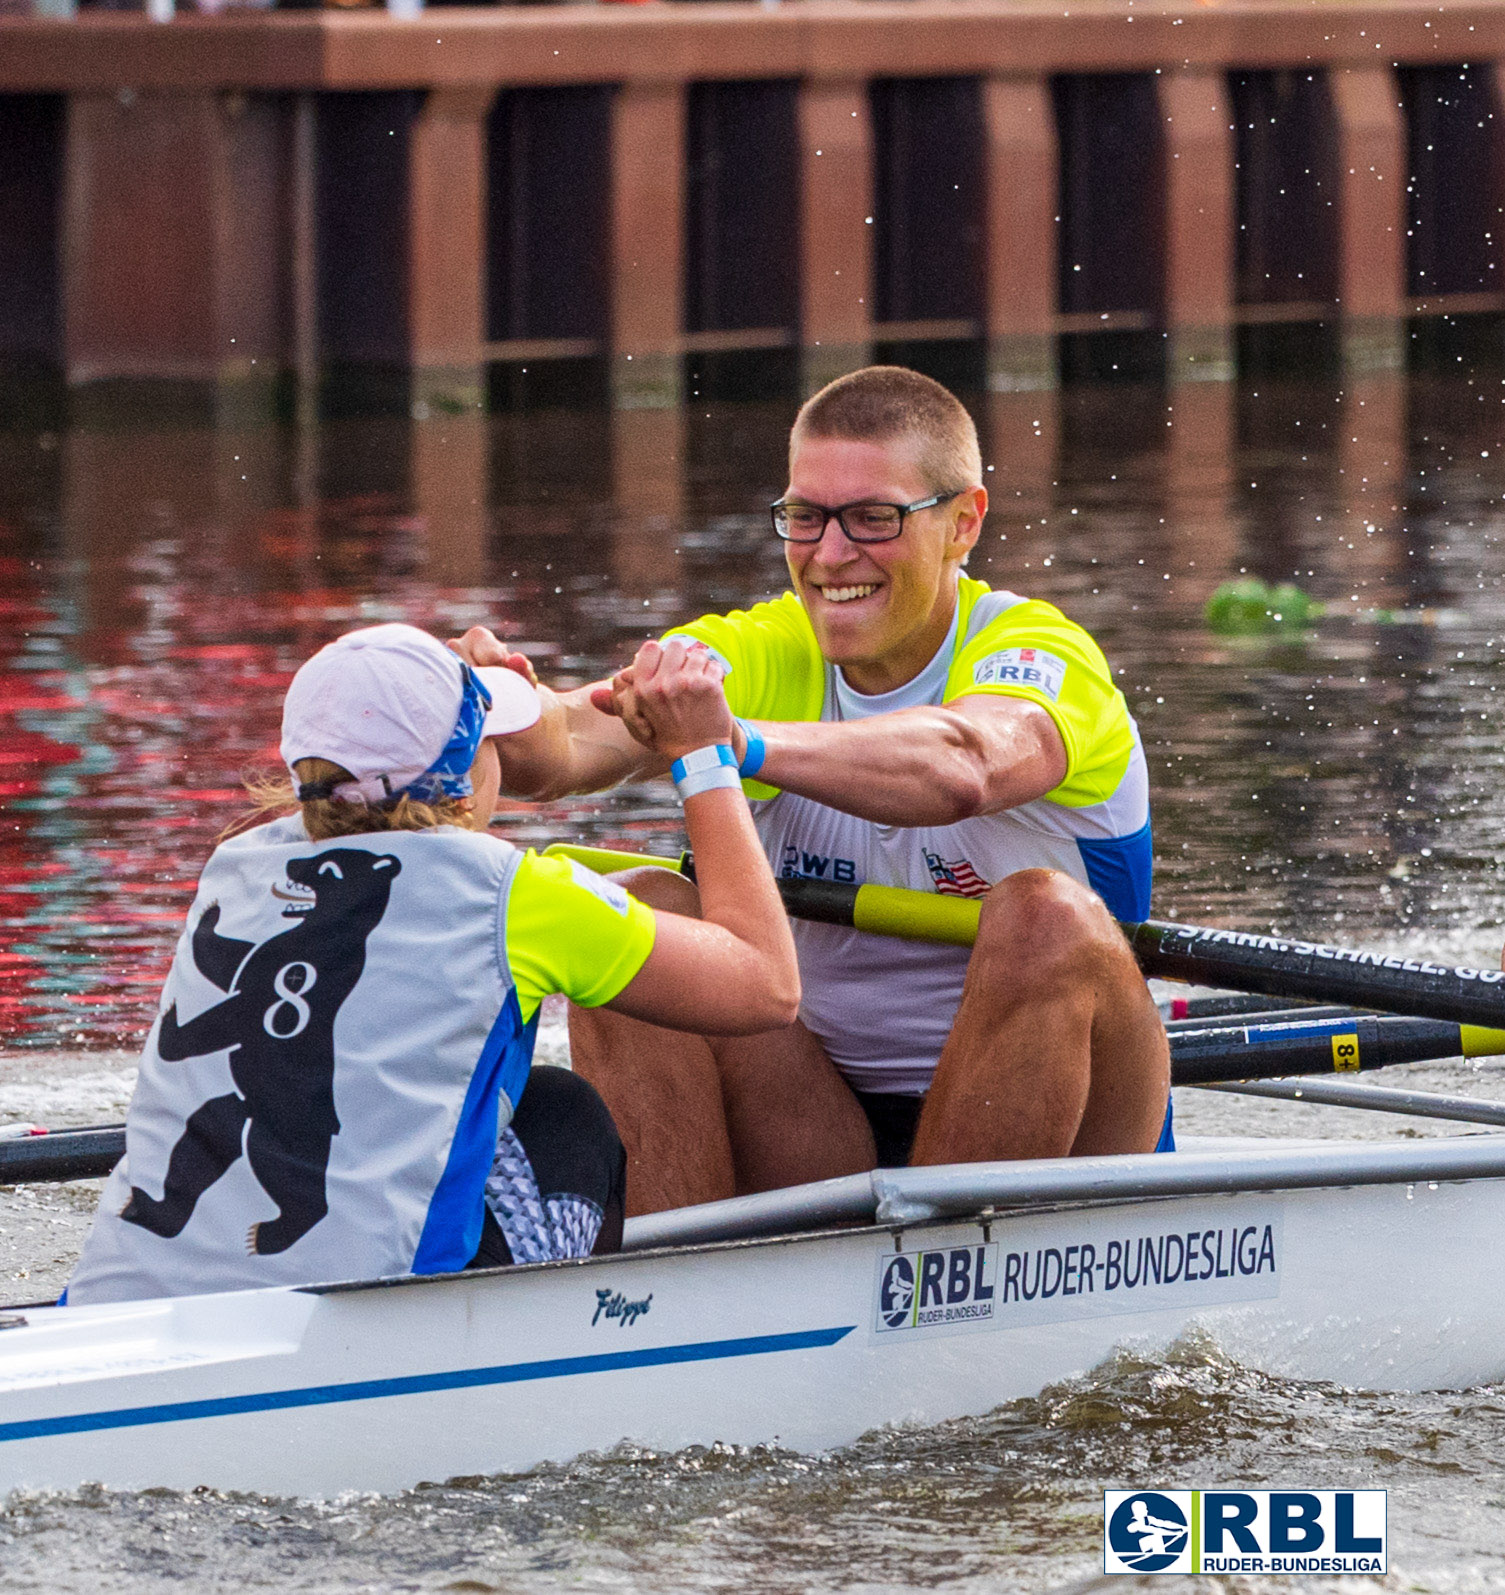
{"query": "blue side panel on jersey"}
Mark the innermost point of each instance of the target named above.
(452, 1230)
(1119, 869)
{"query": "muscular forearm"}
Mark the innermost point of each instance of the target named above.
(733, 970)
(927, 766)
(573, 748)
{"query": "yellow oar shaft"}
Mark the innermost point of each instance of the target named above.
(882, 910)
(1479, 1041)
(606, 861)
(922, 916)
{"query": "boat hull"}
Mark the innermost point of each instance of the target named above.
(802, 1341)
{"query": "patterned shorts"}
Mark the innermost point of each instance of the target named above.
(558, 1182)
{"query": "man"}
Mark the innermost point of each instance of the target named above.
(903, 725)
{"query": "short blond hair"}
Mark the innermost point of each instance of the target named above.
(881, 404)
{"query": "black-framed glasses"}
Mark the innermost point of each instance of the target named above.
(863, 522)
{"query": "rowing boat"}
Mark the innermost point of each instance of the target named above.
(803, 1317)
(808, 1316)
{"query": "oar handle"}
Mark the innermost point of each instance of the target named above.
(881, 910)
(885, 910)
(609, 861)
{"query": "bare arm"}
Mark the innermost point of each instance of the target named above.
(574, 747)
(733, 971)
(928, 766)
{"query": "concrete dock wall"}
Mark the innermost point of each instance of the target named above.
(223, 199)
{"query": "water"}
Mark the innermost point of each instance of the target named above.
(161, 582)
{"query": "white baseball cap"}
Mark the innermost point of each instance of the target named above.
(393, 705)
(515, 703)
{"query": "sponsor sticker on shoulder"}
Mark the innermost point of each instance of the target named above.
(1022, 667)
(598, 886)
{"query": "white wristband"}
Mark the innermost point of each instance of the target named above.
(705, 769)
(708, 781)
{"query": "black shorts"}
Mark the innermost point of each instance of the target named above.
(558, 1183)
(894, 1119)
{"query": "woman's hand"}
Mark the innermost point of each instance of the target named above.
(671, 698)
(483, 648)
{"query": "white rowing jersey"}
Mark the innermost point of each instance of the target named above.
(346, 1029)
(881, 1007)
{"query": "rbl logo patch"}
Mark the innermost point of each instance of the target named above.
(1146, 1533)
(947, 1288)
(1022, 667)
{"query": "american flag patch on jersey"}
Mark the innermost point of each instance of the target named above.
(955, 877)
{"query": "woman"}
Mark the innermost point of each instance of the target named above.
(335, 1085)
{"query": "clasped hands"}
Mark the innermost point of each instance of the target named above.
(671, 699)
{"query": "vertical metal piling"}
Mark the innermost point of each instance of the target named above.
(173, 257)
(446, 249)
(646, 242)
(1020, 242)
(836, 228)
(1198, 248)
(1370, 153)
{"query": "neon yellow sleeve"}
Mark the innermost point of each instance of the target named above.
(570, 930)
(1033, 651)
(773, 666)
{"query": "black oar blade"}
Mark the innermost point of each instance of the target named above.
(63, 1155)
(1285, 968)
(1321, 1046)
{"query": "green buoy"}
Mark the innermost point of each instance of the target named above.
(1248, 608)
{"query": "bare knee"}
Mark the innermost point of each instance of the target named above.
(1039, 922)
(665, 889)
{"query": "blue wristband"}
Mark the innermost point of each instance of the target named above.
(757, 750)
(705, 768)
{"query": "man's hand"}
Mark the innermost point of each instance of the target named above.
(483, 648)
(670, 698)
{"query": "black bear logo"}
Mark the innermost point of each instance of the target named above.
(278, 1022)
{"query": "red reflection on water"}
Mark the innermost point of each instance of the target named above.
(127, 719)
(141, 679)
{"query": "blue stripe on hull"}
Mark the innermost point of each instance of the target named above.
(418, 1384)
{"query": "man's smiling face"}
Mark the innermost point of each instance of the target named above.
(879, 610)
